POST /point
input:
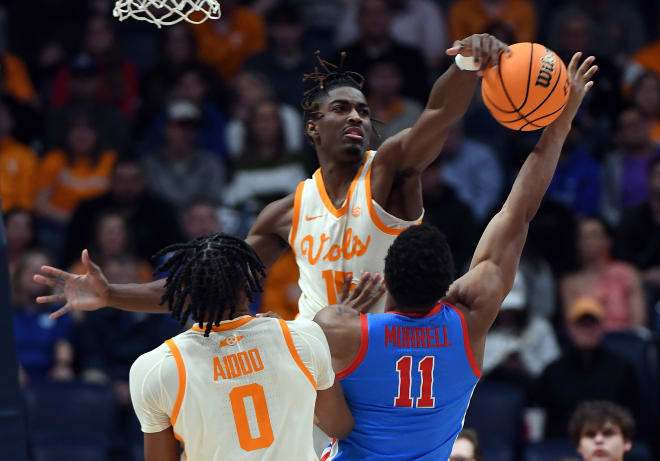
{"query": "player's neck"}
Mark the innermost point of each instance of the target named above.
(337, 178)
(392, 306)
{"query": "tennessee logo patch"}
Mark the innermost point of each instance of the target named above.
(230, 341)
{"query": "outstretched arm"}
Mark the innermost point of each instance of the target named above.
(413, 149)
(496, 258)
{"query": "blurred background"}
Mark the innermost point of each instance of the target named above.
(123, 138)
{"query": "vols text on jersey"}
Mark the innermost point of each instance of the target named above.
(351, 246)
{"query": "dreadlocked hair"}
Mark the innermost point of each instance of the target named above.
(210, 273)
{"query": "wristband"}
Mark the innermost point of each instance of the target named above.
(465, 63)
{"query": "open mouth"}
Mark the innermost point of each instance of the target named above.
(354, 133)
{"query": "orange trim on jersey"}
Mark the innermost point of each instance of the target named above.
(466, 342)
(374, 214)
(296, 215)
(181, 370)
(225, 326)
(364, 345)
(294, 353)
(320, 186)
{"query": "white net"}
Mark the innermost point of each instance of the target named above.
(167, 12)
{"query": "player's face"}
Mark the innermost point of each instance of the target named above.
(603, 444)
(344, 128)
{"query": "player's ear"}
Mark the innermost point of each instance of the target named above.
(311, 131)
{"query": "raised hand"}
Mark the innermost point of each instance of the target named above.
(579, 82)
(484, 48)
(364, 295)
(80, 292)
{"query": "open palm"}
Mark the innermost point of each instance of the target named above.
(86, 292)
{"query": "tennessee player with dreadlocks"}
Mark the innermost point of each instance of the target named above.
(340, 222)
(233, 386)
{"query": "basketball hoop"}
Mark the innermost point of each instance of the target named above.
(167, 12)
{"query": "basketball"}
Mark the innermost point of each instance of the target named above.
(528, 89)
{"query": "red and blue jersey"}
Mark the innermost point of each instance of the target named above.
(409, 386)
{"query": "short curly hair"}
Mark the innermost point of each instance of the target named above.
(419, 268)
(596, 414)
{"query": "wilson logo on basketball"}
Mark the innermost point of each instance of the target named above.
(230, 341)
(547, 67)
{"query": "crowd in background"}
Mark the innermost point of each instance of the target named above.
(123, 138)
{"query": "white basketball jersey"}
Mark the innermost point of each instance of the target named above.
(244, 393)
(331, 243)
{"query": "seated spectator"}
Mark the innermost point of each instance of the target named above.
(151, 219)
(519, 345)
(192, 86)
(625, 170)
(18, 165)
(538, 275)
(226, 43)
(112, 241)
(585, 371)
(21, 235)
(395, 111)
(616, 285)
(375, 42)
(200, 218)
(649, 56)
(266, 170)
(285, 61)
(15, 80)
(576, 182)
(467, 446)
(43, 345)
(249, 89)
(118, 77)
(84, 83)
(451, 215)
(177, 52)
(638, 238)
(600, 430)
(417, 23)
(467, 17)
(645, 94)
(473, 171)
(180, 170)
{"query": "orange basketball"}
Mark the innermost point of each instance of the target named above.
(528, 89)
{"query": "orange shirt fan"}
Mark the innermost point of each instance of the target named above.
(167, 12)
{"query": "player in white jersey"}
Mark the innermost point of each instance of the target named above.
(343, 220)
(233, 386)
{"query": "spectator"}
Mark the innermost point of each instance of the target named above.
(519, 345)
(646, 96)
(113, 241)
(151, 219)
(85, 81)
(249, 89)
(43, 345)
(616, 285)
(375, 43)
(226, 43)
(181, 170)
(118, 77)
(388, 106)
(68, 176)
(417, 23)
(585, 370)
(285, 61)
(625, 170)
(451, 215)
(18, 165)
(15, 79)
(266, 170)
(638, 239)
(199, 219)
(467, 17)
(467, 446)
(538, 275)
(177, 52)
(649, 56)
(473, 171)
(21, 235)
(601, 429)
(192, 86)
(576, 182)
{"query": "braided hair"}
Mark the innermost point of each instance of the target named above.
(209, 272)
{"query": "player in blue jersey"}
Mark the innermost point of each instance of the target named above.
(408, 374)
